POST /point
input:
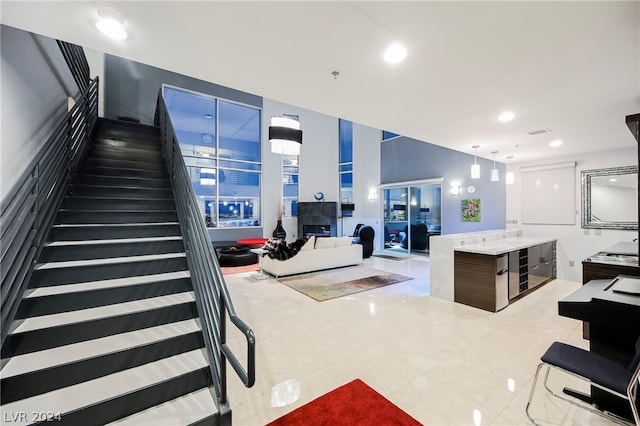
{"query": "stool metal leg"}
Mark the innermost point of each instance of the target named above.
(605, 414)
(533, 387)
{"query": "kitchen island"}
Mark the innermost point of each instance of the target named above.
(489, 269)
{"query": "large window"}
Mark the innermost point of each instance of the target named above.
(290, 177)
(220, 142)
(346, 167)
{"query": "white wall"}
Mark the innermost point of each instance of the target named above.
(318, 163)
(574, 243)
(96, 61)
(33, 98)
(319, 156)
(366, 178)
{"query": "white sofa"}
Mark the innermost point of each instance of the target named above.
(315, 255)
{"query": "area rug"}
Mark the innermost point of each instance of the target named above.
(352, 404)
(326, 285)
(228, 270)
(387, 256)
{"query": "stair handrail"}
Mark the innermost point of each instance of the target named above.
(77, 63)
(29, 209)
(212, 296)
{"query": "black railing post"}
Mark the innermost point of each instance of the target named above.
(223, 341)
(35, 209)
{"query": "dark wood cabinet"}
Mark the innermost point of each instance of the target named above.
(595, 271)
(490, 282)
(475, 280)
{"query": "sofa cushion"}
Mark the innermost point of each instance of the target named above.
(343, 241)
(325, 242)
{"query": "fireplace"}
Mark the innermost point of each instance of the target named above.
(317, 230)
(318, 218)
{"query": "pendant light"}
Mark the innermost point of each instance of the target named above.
(475, 168)
(510, 177)
(285, 136)
(495, 173)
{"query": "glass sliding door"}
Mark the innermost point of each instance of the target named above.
(412, 214)
(395, 217)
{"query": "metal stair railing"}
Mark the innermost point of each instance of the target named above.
(30, 207)
(212, 296)
(77, 63)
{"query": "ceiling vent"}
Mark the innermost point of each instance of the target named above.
(539, 132)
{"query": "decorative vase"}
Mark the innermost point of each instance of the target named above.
(279, 232)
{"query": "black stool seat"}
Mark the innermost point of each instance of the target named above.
(592, 366)
(605, 376)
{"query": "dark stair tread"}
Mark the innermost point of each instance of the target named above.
(125, 164)
(38, 339)
(124, 181)
(101, 312)
(107, 203)
(62, 251)
(75, 297)
(106, 284)
(59, 356)
(51, 369)
(106, 148)
(114, 217)
(122, 171)
(82, 231)
(194, 408)
(69, 272)
(69, 401)
(120, 191)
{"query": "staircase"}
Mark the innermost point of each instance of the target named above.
(108, 329)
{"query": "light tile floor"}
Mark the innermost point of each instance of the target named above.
(443, 363)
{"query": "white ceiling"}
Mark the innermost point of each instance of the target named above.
(572, 67)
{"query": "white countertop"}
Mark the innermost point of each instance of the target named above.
(504, 245)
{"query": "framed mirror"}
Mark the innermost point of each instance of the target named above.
(610, 198)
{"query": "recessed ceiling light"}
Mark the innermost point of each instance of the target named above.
(111, 21)
(506, 116)
(395, 53)
(613, 180)
(555, 144)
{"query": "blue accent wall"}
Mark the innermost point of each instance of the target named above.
(405, 159)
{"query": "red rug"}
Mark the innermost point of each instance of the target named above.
(352, 404)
